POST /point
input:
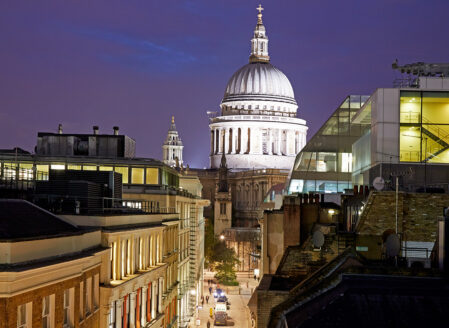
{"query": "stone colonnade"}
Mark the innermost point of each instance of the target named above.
(246, 140)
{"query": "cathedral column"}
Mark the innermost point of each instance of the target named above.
(269, 142)
(250, 141)
(244, 141)
(217, 140)
(212, 137)
(234, 139)
(279, 142)
(226, 141)
(288, 142)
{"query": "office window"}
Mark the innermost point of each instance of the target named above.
(123, 171)
(48, 308)
(41, 172)
(25, 171)
(137, 175)
(124, 257)
(424, 127)
(105, 168)
(346, 162)
(435, 108)
(24, 315)
(73, 167)
(57, 166)
(68, 308)
(89, 168)
(152, 176)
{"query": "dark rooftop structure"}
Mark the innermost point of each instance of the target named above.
(21, 220)
(351, 292)
(102, 145)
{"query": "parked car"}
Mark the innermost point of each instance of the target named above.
(220, 319)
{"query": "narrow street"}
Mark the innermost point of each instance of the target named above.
(238, 314)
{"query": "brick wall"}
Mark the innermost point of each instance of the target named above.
(417, 214)
(8, 306)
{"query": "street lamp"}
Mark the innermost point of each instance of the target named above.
(222, 237)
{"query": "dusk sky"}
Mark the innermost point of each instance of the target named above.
(136, 63)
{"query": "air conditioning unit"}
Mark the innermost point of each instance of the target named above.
(419, 261)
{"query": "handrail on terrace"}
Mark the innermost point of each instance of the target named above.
(101, 205)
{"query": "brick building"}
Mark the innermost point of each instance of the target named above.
(45, 267)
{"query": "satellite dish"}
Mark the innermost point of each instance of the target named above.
(379, 183)
(392, 245)
(318, 239)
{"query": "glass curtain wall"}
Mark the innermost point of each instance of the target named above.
(325, 163)
(424, 127)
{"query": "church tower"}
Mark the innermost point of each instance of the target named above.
(223, 200)
(172, 147)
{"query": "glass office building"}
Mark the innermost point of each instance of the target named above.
(325, 164)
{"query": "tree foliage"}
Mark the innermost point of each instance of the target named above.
(225, 261)
(219, 257)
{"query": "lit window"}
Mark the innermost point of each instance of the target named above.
(25, 171)
(48, 307)
(57, 166)
(88, 296)
(137, 175)
(106, 168)
(73, 167)
(68, 308)
(152, 176)
(123, 171)
(41, 172)
(96, 291)
(81, 310)
(346, 162)
(24, 315)
(89, 168)
(111, 317)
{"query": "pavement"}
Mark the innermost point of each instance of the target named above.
(238, 314)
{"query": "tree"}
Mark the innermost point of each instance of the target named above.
(225, 261)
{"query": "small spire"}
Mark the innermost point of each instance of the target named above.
(259, 42)
(172, 120)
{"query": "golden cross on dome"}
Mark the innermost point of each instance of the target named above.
(259, 15)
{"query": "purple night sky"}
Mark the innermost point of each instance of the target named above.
(136, 63)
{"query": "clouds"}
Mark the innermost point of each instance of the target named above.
(137, 53)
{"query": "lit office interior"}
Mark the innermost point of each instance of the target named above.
(424, 127)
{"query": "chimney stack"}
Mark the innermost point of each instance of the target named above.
(60, 128)
(95, 129)
(115, 130)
